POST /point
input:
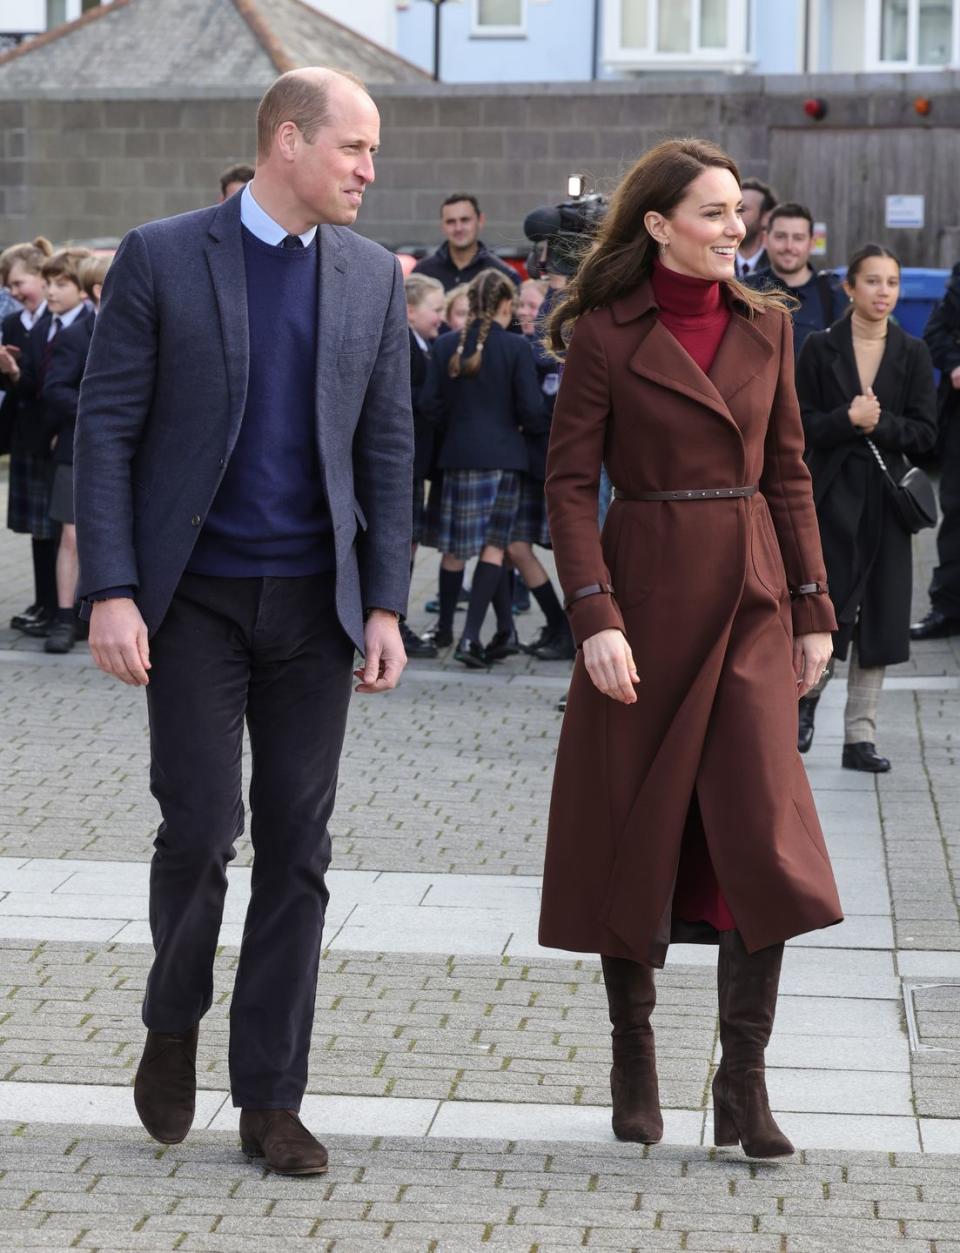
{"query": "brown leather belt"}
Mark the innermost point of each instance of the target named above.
(693, 493)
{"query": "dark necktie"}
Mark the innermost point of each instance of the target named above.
(48, 348)
(291, 241)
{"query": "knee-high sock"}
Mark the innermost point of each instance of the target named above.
(485, 579)
(503, 602)
(451, 582)
(546, 598)
(45, 573)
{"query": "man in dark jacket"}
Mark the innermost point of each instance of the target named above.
(243, 460)
(789, 245)
(464, 254)
(942, 337)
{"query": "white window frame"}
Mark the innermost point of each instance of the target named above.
(873, 30)
(735, 56)
(481, 30)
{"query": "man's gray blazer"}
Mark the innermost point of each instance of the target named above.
(163, 398)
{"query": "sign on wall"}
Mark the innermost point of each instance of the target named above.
(905, 212)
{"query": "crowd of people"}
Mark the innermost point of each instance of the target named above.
(484, 386)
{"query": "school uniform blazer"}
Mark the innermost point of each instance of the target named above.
(163, 397)
(484, 418)
(29, 436)
(424, 430)
(61, 384)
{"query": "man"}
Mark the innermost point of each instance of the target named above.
(942, 335)
(758, 199)
(789, 245)
(463, 255)
(234, 178)
(243, 469)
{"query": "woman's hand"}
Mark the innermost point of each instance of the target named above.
(864, 411)
(811, 653)
(609, 661)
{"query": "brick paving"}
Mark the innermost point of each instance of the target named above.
(461, 767)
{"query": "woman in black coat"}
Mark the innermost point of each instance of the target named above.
(864, 381)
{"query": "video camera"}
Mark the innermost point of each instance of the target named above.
(559, 233)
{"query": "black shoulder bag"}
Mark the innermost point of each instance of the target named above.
(913, 498)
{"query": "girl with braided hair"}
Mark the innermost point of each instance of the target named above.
(483, 393)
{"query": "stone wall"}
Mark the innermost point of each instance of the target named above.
(92, 168)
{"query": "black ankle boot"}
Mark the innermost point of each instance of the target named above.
(864, 757)
(807, 710)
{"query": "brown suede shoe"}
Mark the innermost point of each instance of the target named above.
(165, 1089)
(279, 1136)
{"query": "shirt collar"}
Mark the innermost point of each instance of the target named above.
(68, 319)
(29, 320)
(258, 222)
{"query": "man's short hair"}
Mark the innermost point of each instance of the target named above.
(298, 98)
(458, 196)
(416, 287)
(92, 271)
(241, 173)
(765, 190)
(66, 264)
(790, 209)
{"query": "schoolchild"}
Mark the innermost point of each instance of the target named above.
(482, 390)
(425, 307)
(28, 506)
(48, 378)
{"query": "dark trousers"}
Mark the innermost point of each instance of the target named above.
(270, 651)
(945, 584)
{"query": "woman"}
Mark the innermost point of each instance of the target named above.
(865, 379)
(681, 810)
(28, 509)
(482, 390)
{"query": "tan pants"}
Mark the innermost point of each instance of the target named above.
(864, 684)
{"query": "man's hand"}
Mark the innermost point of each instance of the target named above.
(118, 641)
(955, 376)
(384, 655)
(865, 411)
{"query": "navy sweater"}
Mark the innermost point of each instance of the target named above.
(270, 516)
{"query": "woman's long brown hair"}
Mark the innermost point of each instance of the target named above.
(623, 251)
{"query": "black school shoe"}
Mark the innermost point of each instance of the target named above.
(543, 636)
(472, 654)
(504, 644)
(559, 647)
(61, 638)
(935, 626)
(415, 645)
(29, 615)
(864, 756)
(438, 637)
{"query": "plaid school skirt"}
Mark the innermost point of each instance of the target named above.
(28, 505)
(477, 508)
(531, 524)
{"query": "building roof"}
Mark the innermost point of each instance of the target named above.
(143, 44)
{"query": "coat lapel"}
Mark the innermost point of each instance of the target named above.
(744, 353)
(332, 302)
(888, 385)
(844, 363)
(224, 249)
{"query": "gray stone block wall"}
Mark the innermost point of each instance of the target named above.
(91, 169)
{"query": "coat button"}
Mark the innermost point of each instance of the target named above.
(195, 520)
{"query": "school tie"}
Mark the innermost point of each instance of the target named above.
(291, 241)
(54, 331)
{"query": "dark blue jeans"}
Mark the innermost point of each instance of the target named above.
(272, 653)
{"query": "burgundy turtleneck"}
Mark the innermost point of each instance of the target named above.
(693, 310)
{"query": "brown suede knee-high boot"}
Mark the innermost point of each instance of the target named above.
(631, 996)
(747, 995)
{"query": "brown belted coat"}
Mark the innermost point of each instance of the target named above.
(708, 595)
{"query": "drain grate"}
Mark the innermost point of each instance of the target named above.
(932, 1009)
